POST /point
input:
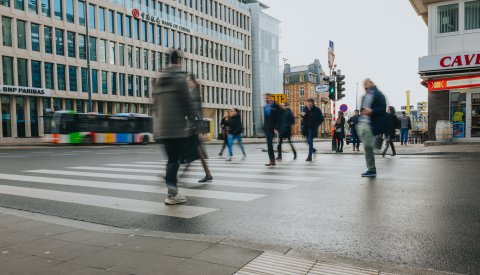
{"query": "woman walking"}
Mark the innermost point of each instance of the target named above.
(285, 130)
(235, 129)
(197, 107)
(393, 123)
(223, 125)
(340, 131)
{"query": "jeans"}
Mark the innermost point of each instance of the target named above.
(355, 139)
(279, 146)
(404, 135)
(271, 154)
(310, 142)
(364, 130)
(231, 139)
(174, 149)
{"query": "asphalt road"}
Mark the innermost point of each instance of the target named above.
(421, 211)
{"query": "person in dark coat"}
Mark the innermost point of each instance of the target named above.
(270, 125)
(352, 123)
(312, 118)
(172, 105)
(235, 129)
(339, 133)
(371, 123)
(393, 123)
(223, 126)
(285, 129)
(194, 89)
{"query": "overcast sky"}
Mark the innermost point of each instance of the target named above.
(380, 39)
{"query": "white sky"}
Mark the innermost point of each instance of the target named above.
(380, 39)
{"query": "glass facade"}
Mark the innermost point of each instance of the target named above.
(111, 21)
(95, 81)
(72, 78)
(71, 45)
(101, 18)
(35, 31)
(46, 8)
(84, 80)
(104, 82)
(33, 117)
(61, 78)
(93, 48)
(58, 9)
(113, 78)
(36, 74)
(70, 5)
(22, 72)
(81, 13)
(20, 112)
(59, 42)
(7, 68)
(82, 50)
(120, 24)
(47, 33)
(91, 16)
(21, 34)
(49, 80)
(7, 31)
(6, 116)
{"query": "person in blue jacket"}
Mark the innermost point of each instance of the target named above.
(312, 118)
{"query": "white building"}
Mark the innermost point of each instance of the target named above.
(452, 67)
(44, 66)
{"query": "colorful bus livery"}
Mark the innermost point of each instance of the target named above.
(75, 128)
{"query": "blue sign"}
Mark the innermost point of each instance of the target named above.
(343, 108)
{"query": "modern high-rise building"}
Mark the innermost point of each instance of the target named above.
(44, 56)
(266, 58)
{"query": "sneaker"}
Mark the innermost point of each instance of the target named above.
(270, 164)
(244, 157)
(370, 174)
(229, 159)
(309, 159)
(205, 179)
(279, 158)
(178, 199)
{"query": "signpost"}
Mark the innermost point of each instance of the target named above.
(343, 108)
(321, 88)
(279, 98)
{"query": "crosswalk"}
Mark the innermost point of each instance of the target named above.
(235, 182)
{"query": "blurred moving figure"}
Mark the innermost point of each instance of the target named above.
(352, 123)
(312, 119)
(235, 130)
(223, 125)
(392, 124)
(285, 129)
(173, 108)
(270, 125)
(406, 125)
(194, 89)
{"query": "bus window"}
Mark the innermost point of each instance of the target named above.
(67, 124)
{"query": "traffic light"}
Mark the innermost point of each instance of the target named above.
(340, 86)
(331, 90)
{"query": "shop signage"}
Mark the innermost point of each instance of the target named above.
(454, 83)
(18, 90)
(449, 62)
(279, 98)
(155, 19)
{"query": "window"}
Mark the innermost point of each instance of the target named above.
(104, 83)
(7, 66)
(37, 74)
(153, 60)
(101, 18)
(130, 85)
(113, 77)
(70, 11)
(120, 24)
(72, 77)
(472, 15)
(121, 81)
(112, 53)
(152, 33)
(57, 9)
(21, 35)
(145, 59)
(302, 78)
(137, 57)
(19, 4)
(5, 3)
(81, 46)
(22, 72)
(49, 75)
(91, 16)
(103, 51)
(302, 91)
(20, 108)
(111, 21)
(59, 46)
(146, 85)
(94, 81)
(46, 9)
(84, 73)
(121, 54)
(128, 26)
(81, 13)
(447, 18)
(130, 56)
(71, 44)
(138, 85)
(35, 30)
(32, 6)
(144, 31)
(61, 81)
(93, 48)
(136, 27)
(47, 33)
(7, 31)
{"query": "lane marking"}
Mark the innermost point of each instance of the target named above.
(209, 194)
(138, 206)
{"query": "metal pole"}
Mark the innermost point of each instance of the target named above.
(89, 73)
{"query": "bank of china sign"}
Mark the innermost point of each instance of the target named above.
(18, 90)
(155, 19)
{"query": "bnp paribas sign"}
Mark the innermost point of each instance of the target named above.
(156, 19)
(18, 90)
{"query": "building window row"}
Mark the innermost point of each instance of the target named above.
(223, 96)
(449, 16)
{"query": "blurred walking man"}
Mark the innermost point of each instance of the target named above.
(352, 123)
(270, 125)
(312, 118)
(406, 125)
(172, 105)
(371, 123)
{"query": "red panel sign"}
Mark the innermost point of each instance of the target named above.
(454, 83)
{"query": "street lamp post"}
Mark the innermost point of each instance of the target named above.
(89, 74)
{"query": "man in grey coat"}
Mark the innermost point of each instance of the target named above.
(172, 107)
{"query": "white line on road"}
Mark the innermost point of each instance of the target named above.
(221, 195)
(139, 206)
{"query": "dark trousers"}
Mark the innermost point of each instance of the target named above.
(174, 148)
(355, 139)
(389, 142)
(339, 140)
(225, 144)
(310, 142)
(203, 159)
(270, 135)
(279, 146)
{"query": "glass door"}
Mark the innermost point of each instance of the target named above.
(475, 115)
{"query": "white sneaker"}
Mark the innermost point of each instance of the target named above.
(244, 157)
(178, 199)
(229, 159)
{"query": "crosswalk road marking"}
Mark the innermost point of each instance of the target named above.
(221, 195)
(246, 184)
(139, 206)
(231, 174)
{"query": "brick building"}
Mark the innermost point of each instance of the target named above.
(299, 86)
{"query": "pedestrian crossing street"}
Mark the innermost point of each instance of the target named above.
(250, 176)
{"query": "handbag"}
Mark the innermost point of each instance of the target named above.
(190, 151)
(378, 142)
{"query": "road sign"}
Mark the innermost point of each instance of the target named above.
(343, 108)
(405, 107)
(279, 98)
(321, 88)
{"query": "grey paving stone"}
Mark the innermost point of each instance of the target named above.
(77, 236)
(8, 256)
(108, 257)
(26, 225)
(14, 238)
(144, 244)
(195, 267)
(51, 230)
(228, 255)
(183, 249)
(93, 238)
(55, 249)
(27, 265)
(11, 219)
(68, 268)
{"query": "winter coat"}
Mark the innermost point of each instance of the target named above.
(379, 106)
(392, 124)
(234, 125)
(270, 122)
(352, 123)
(285, 123)
(311, 120)
(172, 106)
(340, 128)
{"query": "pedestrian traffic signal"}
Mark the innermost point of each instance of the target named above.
(331, 90)
(340, 86)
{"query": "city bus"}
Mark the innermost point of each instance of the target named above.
(69, 127)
